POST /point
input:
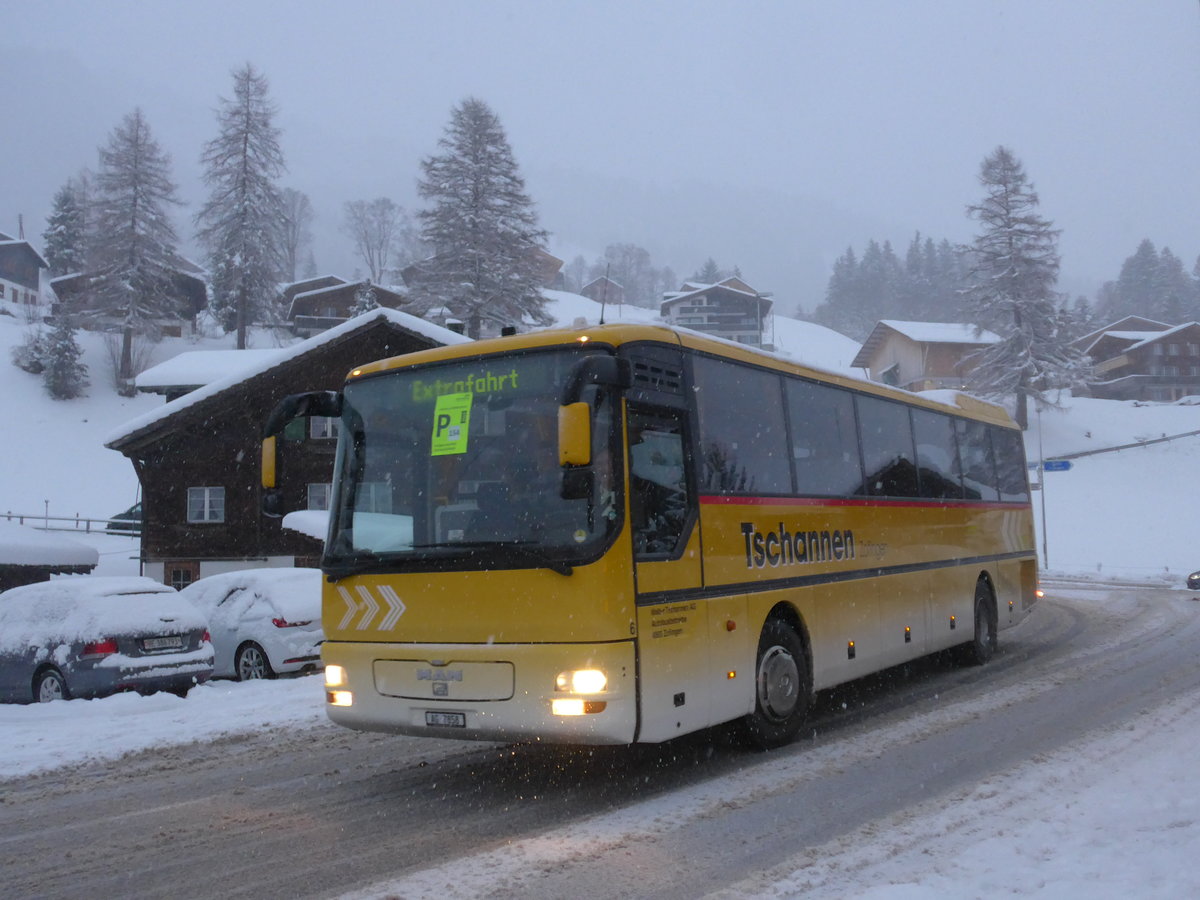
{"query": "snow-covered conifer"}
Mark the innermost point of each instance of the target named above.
(1014, 269)
(481, 227)
(65, 237)
(239, 225)
(133, 249)
(364, 299)
(65, 375)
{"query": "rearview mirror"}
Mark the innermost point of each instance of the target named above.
(327, 404)
(574, 435)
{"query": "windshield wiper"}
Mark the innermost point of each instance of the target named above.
(519, 548)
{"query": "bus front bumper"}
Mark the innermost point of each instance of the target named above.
(487, 692)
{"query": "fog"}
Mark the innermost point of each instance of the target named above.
(768, 135)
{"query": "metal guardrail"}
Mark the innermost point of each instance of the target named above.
(1119, 447)
(76, 523)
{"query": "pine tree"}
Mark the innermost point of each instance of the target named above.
(310, 266)
(239, 225)
(481, 226)
(1014, 270)
(64, 240)
(365, 299)
(709, 273)
(296, 230)
(1137, 284)
(65, 376)
(133, 249)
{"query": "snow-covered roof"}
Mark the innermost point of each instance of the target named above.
(1155, 336)
(1128, 323)
(13, 243)
(922, 333)
(21, 545)
(196, 368)
(403, 320)
(942, 332)
(315, 278)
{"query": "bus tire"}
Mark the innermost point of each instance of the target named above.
(782, 687)
(982, 646)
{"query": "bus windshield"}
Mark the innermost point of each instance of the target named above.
(456, 466)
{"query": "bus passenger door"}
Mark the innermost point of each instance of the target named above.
(672, 620)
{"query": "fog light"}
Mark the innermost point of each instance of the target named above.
(582, 681)
(575, 706)
(335, 676)
(340, 698)
(567, 706)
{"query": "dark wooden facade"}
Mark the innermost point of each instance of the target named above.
(215, 441)
(1158, 366)
(189, 290)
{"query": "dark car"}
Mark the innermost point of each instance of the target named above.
(1194, 581)
(128, 522)
(89, 636)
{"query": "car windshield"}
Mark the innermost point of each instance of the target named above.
(457, 466)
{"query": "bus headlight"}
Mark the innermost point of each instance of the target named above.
(335, 676)
(582, 681)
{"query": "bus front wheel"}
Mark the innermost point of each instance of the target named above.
(783, 687)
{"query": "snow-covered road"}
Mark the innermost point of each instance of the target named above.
(1062, 769)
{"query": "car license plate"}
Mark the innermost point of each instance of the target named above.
(174, 642)
(446, 719)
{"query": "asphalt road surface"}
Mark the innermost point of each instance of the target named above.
(323, 811)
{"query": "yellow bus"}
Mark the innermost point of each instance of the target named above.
(627, 533)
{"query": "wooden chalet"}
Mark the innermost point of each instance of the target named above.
(188, 287)
(317, 309)
(198, 457)
(20, 272)
(921, 356)
(604, 291)
(1140, 359)
(730, 309)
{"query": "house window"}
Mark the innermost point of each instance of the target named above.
(373, 496)
(891, 375)
(318, 496)
(206, 504)
(1158, 349)
(1193, 349)
(181, 574)
(322, 427)
(1, 290)
(1172, 349)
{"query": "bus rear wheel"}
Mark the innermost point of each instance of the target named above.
(783, 687)
(982, 646)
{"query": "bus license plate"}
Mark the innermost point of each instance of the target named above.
(175, 642)
(446, 719)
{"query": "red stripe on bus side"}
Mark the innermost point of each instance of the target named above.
(720, 500)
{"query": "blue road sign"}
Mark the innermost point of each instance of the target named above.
(1056, 465)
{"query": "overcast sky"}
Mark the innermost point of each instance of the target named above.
(771, 135)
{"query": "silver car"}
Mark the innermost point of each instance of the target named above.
(90, 636)
(264, 622)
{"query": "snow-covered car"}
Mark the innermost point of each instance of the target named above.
(264, 622)
(90, 636)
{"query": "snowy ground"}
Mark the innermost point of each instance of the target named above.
(1116, 815)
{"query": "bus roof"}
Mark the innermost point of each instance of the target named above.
(624, 333)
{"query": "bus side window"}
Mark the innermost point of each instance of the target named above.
(658, 498)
